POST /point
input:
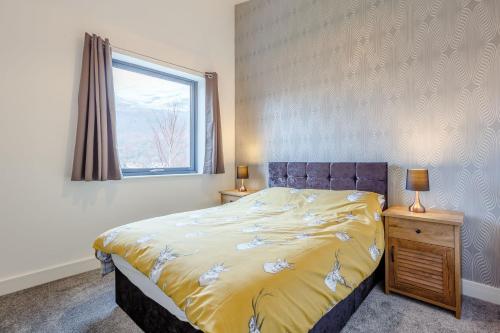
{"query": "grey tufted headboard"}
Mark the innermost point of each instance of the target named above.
(370, 177)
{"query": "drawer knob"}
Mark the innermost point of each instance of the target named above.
(418, 231)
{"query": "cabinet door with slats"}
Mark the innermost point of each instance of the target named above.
(422, 269)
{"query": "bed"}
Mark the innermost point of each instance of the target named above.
(295, 257)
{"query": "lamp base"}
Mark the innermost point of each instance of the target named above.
(417, 207)
(242, 187)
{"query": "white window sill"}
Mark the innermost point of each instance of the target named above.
(164, 175)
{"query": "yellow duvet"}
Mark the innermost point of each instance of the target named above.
(274, 261)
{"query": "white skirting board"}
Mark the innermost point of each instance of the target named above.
(31, 279)
(481, 291)
(35, 278)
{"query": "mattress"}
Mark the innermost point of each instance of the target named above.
(274, 261)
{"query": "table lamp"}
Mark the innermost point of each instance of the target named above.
(417, 180)
(242, 173)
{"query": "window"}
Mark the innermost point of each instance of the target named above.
(155, 120)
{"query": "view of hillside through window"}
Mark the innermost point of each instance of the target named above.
(153, 121)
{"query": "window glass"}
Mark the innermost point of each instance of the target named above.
(155, 118)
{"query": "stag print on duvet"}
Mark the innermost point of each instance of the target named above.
(253, 228)
(311, 198)
(144, 239)
(232, 219)
(381, 201)
(257, 206)
(211, 275)
(343, 236)
(194, 234)
(256, 242)
(257, 320)
(167, 254)
(313, 219)
(277, 266)
(356, 196)
(288, 207)
(375, 252)
(334, 277)
(111, 236)
(303, 235)
(309, 216)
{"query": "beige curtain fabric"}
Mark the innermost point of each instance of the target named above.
(96, 156)
(214, 159)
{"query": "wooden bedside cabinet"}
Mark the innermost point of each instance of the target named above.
(423, 256)
(233, 195)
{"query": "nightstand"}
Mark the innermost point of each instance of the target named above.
(423, 256)
(233, 195)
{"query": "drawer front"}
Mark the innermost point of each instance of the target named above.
(229, 198)
(425, 270)
(419, 231)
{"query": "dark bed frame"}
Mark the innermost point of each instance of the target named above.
(152, 317)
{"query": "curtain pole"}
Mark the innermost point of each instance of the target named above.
(163, 61)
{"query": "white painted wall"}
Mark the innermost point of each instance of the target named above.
(45, 219)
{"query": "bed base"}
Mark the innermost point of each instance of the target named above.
(152, 317)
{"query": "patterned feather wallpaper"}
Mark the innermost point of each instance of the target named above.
(415, 83)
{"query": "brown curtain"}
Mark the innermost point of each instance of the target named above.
(214, 159)
(96, 156)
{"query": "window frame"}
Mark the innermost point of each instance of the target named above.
(193, 126)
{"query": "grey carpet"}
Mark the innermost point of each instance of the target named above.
(85, 303)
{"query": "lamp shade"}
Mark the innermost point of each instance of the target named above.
(417, 180)
(242, 172)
